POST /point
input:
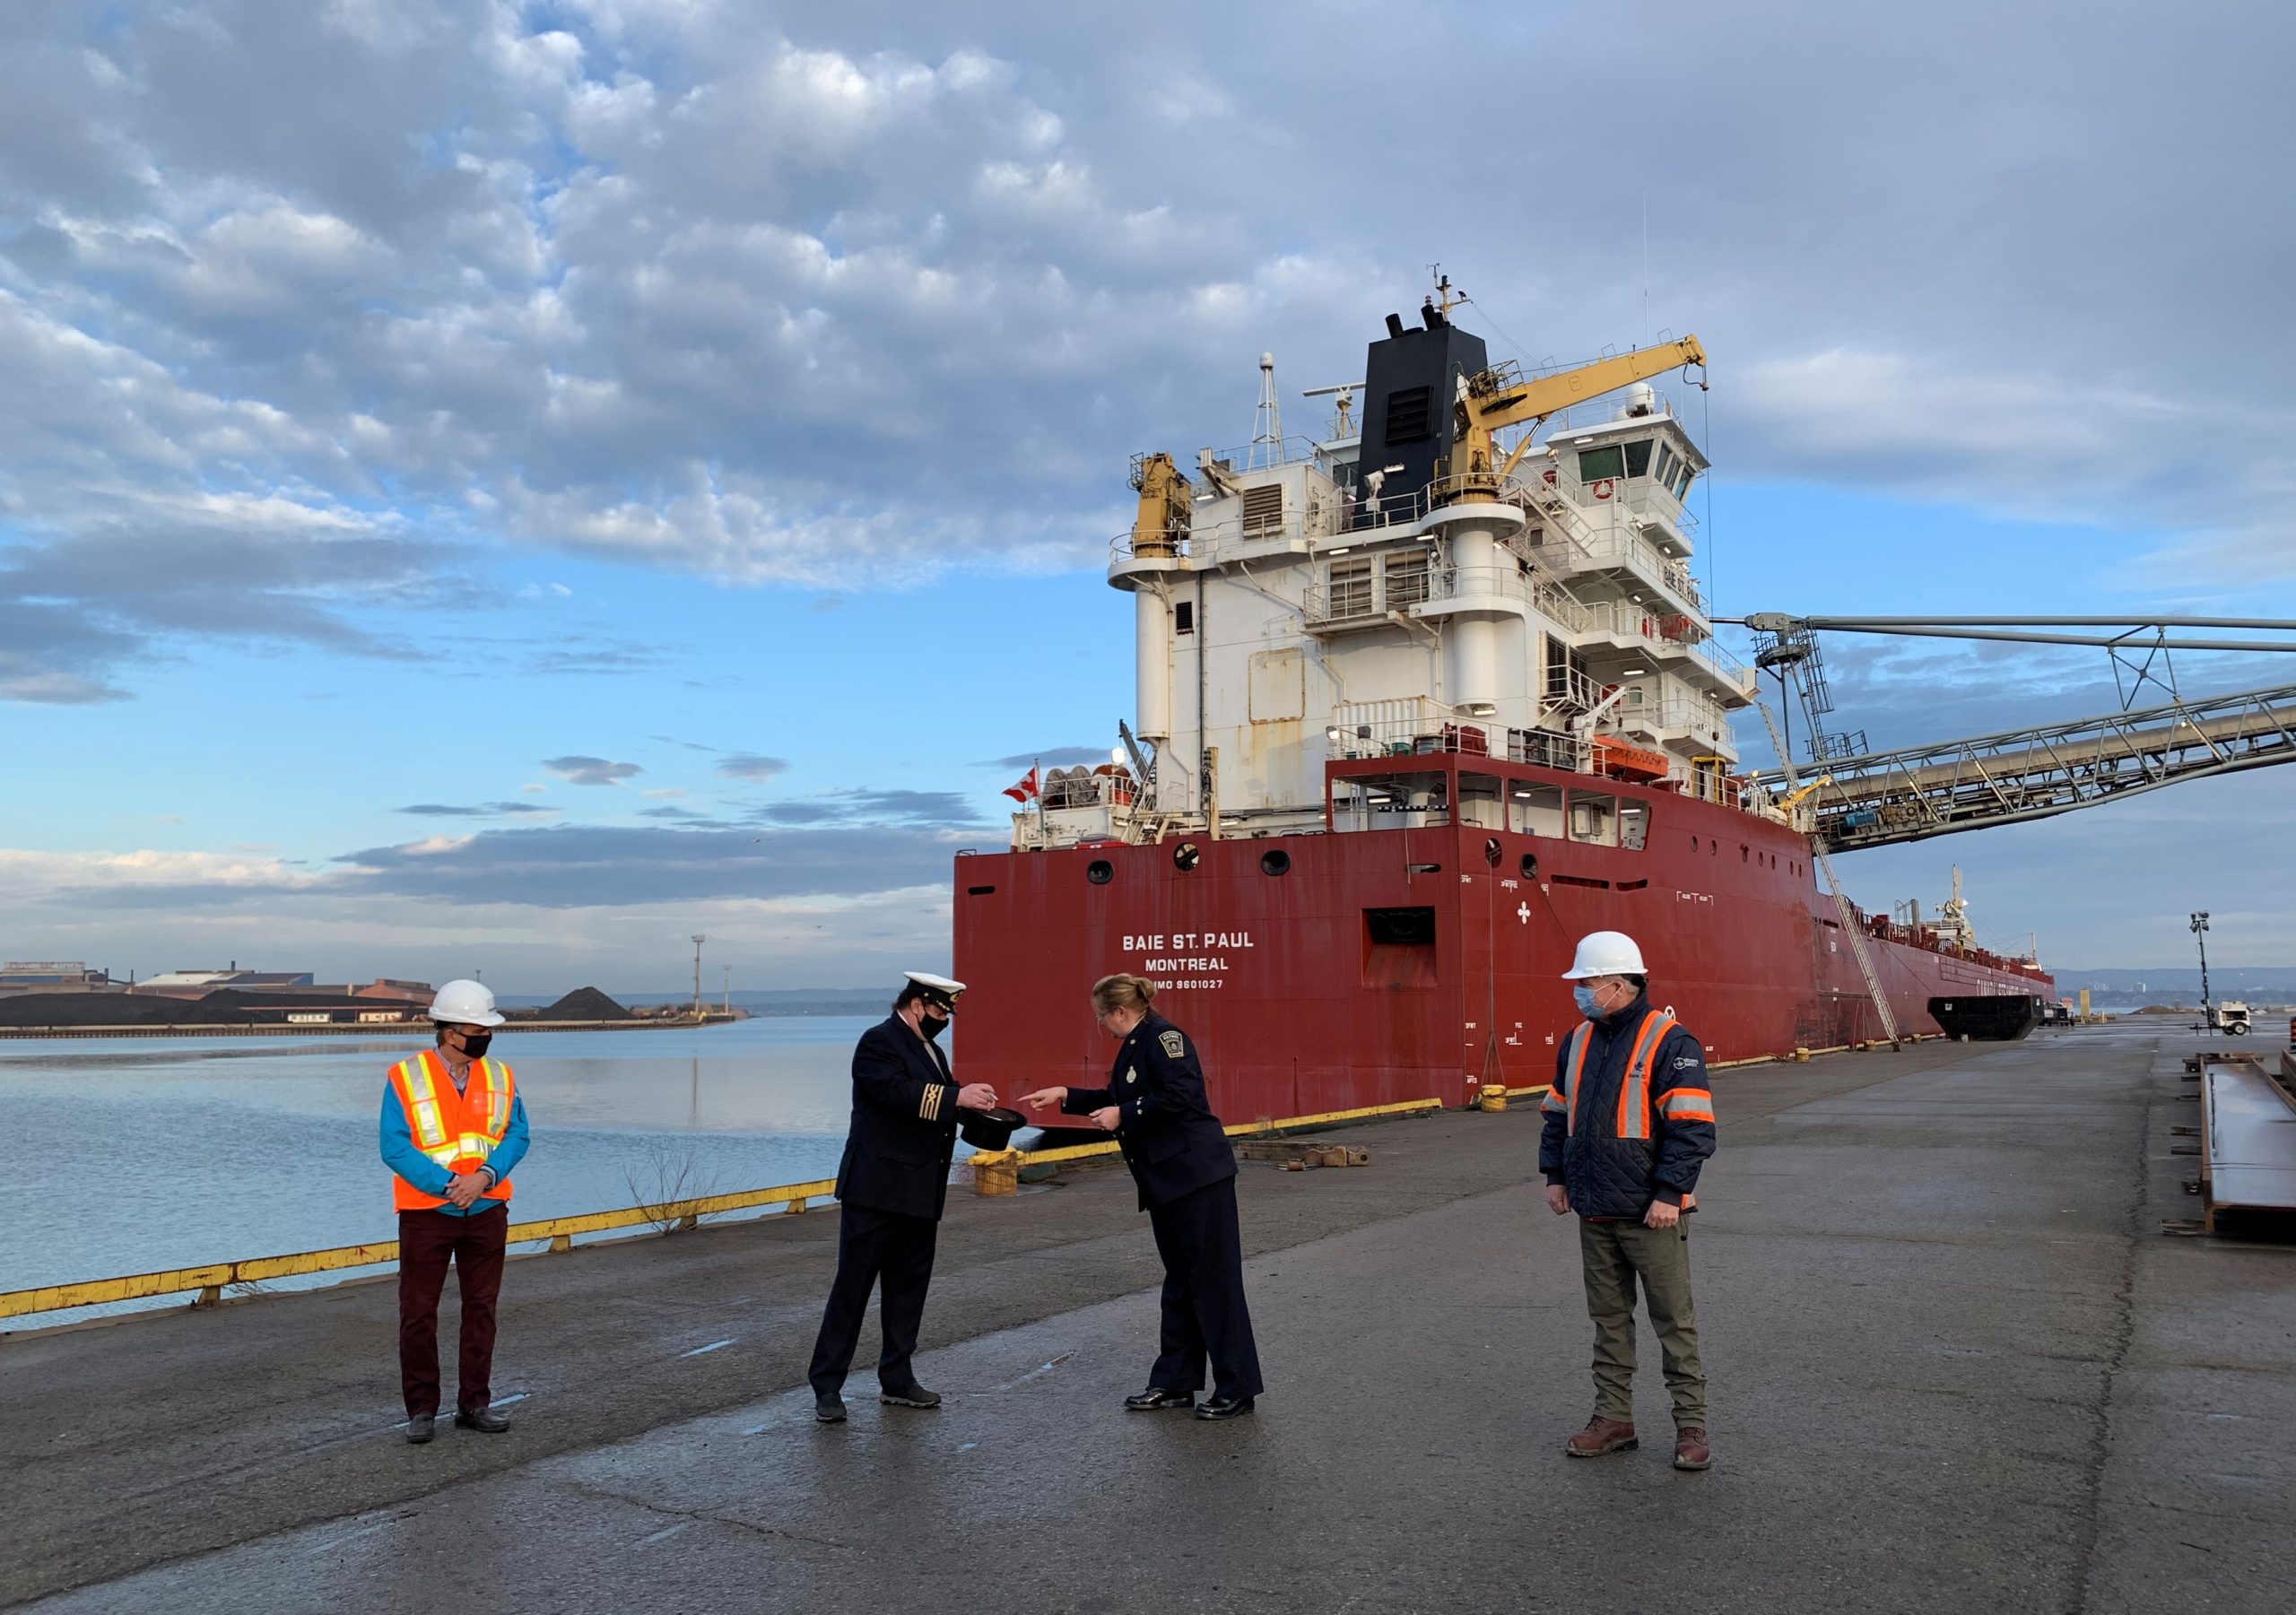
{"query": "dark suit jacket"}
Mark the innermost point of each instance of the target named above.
(1170, 1138)
(904, 1129)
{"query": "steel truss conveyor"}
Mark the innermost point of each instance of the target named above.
(1885, 798)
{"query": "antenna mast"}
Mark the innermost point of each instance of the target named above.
(1267, 420)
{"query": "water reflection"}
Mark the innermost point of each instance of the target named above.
(178, 1153)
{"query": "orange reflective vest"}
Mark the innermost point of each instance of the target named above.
(457, 1130)
(1635, 1108)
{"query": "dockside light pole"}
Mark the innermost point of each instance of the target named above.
(2200, 935)
(698, 940)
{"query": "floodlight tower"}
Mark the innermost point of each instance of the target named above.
(2200, 935)
(698, 939)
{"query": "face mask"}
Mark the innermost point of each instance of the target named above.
(931, 1025)
(476, 1044)
(1585, 999)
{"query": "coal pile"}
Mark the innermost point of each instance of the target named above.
(585, 1003)
(117, 1009)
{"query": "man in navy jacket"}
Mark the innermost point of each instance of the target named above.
(891, 1187)
(1629, 1121)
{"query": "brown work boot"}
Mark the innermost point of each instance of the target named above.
(1689, 1447)
(1602, 1435)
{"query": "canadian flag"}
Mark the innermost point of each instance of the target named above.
(1024, 789)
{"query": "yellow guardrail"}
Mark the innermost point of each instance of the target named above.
(211, 1280)
(559, 1231)
(1265, 1124)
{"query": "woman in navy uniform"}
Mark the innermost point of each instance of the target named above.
(1155, 1105)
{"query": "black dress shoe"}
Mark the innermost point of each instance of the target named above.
(1155, 1399)
(421, 1427)
(828, 1408)
(1225, 1407)
(486, 1419)
(910, 1396)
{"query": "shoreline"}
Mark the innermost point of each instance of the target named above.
(396, 1029)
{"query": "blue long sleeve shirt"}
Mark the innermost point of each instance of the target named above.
(401, 1156)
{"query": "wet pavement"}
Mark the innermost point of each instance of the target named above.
(1954, 1362)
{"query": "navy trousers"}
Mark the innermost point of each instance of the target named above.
(1205, 1314)
(874, 1246)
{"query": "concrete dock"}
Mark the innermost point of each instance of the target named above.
(1955, 1364)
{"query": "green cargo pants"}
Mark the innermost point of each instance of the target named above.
(1612, 1253)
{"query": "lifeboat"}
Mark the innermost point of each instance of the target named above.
(1619, 761)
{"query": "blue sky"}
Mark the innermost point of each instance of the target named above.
(675, 445)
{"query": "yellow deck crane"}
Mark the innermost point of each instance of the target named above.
(1501, 397)
(1167, 507)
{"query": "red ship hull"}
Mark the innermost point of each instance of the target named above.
(1336, 972)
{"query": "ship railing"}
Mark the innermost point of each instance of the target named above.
(1604, 551)
(1432, 735)
(1694, 716)
(1270, 454)
(1206, 540)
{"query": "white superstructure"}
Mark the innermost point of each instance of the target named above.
(1329, 599)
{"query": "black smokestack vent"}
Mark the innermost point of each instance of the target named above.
(1395, 324)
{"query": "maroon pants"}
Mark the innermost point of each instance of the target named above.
(427, 1242)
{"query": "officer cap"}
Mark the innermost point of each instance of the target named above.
(937, 989)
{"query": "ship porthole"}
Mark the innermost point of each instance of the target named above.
(1276, 863)
(1099, 871)
(1185, 857)
(1530, 866)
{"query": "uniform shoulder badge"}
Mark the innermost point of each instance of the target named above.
(1175, 1044)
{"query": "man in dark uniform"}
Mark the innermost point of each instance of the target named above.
(891, 1187)
(1185, 1169)
(1630, 1121)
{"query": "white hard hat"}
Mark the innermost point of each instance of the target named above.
(466, 1003)
(1606, 953)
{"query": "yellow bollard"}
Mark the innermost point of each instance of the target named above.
(996, 1172)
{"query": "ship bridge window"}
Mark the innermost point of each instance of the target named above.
(1534, 810)
(1683, 477)
(1595, 464)
(1389, 802)
(1665, 473)
(1638, 457)
(1594, 817)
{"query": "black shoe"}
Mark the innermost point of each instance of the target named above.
(829, 1407)
(486, 1419)
(1155, 1399)
(421, 1427)
(1225, 1407)
(910, 1396)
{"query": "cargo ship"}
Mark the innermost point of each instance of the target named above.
(1420, 702)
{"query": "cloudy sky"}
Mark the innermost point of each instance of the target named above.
(506, 486)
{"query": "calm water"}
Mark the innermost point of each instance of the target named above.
(127, 1156)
